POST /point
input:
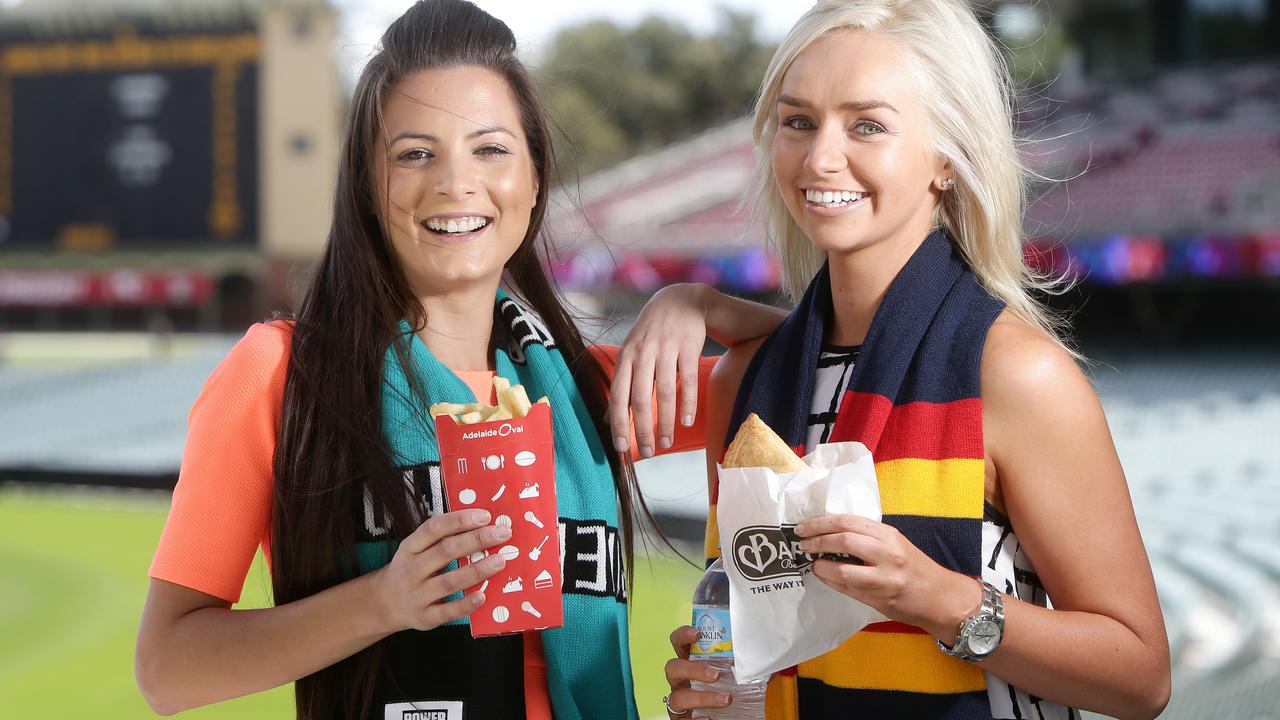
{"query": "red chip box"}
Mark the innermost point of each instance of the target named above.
(508, 468)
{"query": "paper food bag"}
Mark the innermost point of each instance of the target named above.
(780, 612)
(508, 468)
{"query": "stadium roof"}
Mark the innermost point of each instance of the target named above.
(59, 17)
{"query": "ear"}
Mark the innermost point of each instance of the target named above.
(944, 177)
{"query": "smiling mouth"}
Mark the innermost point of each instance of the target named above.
(456, 226)
(833, 198)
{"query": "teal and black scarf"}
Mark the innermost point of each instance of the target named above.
(588, 667)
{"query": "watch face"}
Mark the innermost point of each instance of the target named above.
(984, 637)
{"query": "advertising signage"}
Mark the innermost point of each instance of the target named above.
(129, 141)
(110, 288)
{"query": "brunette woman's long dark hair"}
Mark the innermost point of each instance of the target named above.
(330, 445)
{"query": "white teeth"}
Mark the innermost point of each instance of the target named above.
(457, 225)
(832, 198)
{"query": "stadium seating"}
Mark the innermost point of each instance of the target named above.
(123, 418)
(1190, 151)
(1196, 434)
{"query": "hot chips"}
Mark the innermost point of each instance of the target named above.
(513, 402)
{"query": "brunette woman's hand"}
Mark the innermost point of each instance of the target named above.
(662, 347)
(680, 671)
(413, 586)
(896, 577)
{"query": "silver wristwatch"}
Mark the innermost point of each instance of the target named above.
(980, 634)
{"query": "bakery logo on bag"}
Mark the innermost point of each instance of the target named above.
(764, 552)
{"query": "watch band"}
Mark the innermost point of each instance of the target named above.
(991, 611)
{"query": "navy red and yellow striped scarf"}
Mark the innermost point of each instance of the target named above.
(914, 400)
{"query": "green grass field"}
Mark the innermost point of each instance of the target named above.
(73, 575)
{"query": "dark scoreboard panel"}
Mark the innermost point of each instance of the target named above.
(144, 144)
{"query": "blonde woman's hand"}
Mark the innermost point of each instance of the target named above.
(659, 355)
(412, 588)
(895, 576)
(680, 671)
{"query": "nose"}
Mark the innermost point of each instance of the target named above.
(455, 176)
(826, 152)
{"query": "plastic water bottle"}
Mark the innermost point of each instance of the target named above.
(714, 647)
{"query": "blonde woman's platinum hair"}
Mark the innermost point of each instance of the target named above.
(965, 85)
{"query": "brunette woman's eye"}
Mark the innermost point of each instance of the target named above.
(414, 155)
(868, 127)
(493, 150)
(798, 122)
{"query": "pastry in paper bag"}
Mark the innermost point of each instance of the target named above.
(786, 615)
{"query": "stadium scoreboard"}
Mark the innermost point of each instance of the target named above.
(129, 141)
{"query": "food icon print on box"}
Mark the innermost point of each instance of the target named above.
(508, 468)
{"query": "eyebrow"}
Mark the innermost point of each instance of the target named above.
(857, 105)
(410, 135)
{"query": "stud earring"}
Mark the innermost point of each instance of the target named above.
(948, 183)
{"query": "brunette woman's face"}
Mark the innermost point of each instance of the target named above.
(456, 182)
(851, 156)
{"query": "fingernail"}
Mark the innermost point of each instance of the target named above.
(687, 420)
(712, 674)
(620, 444)
(480, 517)
(502, 532)
(477, 598)
(664, 442)
(800, 529)
(495, 561)
(646, 450)
(723, 698)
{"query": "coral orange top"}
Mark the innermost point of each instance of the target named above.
(221, 508)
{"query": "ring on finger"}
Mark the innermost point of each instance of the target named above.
(666, 700)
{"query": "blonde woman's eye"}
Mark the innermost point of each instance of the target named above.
(867, 127)
(798, 122)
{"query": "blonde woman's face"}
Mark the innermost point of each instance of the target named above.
(456, 181)
(851, 155)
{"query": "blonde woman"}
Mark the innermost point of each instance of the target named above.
(890, 180)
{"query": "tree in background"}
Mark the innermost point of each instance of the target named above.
(615, 92)
(1033, 38)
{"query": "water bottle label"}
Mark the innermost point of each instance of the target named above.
(715, 639)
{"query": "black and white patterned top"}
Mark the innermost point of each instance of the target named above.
(1009, 569)
(1004, 564)
(835, 367)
